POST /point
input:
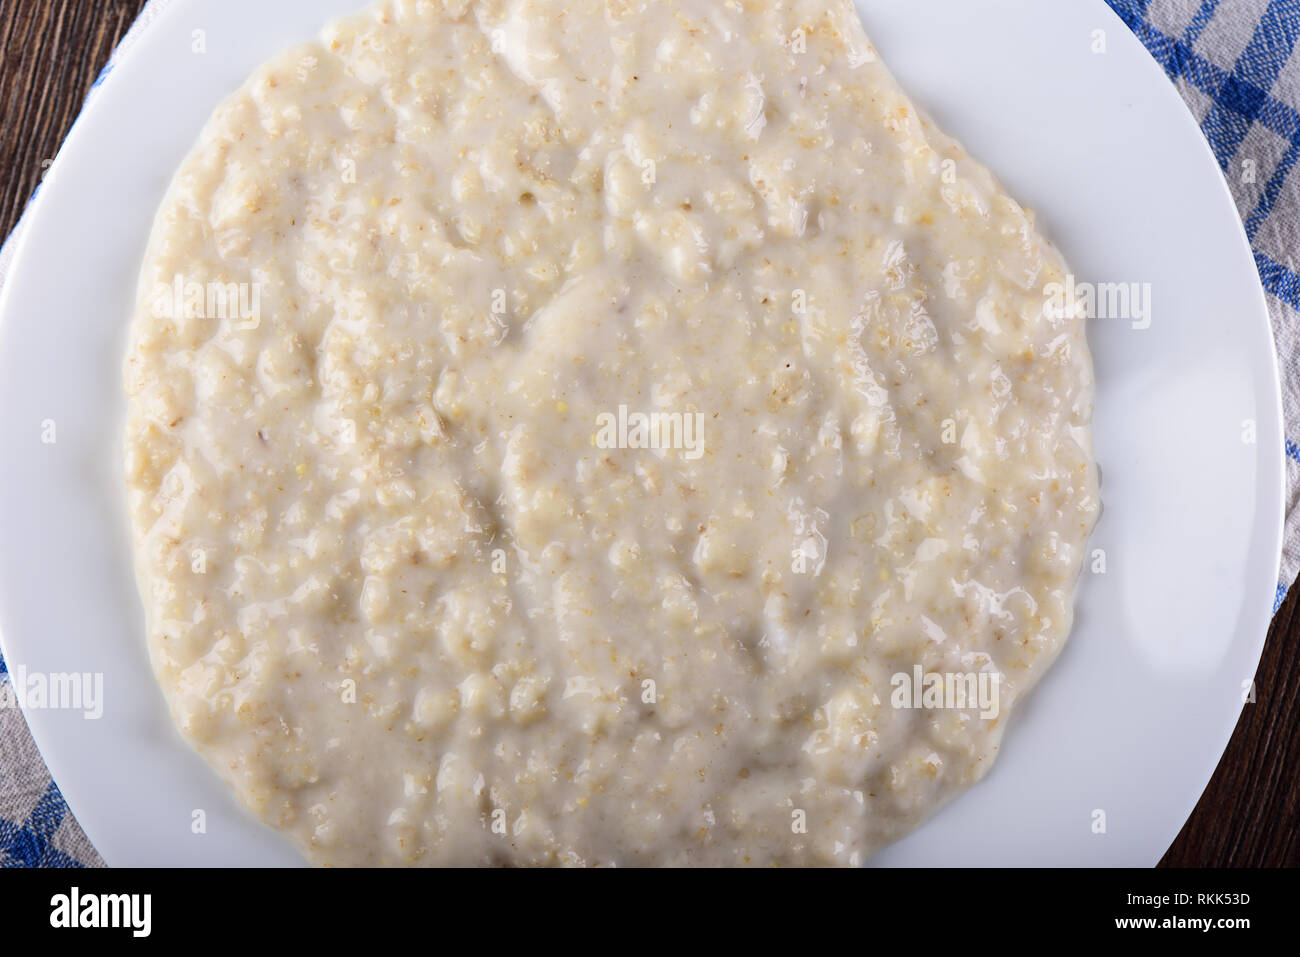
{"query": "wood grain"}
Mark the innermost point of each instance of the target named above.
(1249, 814)
(51, 51)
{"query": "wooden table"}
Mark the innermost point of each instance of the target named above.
(52, 50)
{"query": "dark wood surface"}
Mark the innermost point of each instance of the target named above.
(51, 51)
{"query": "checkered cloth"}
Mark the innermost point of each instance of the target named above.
(36, 828)
(1236, 64)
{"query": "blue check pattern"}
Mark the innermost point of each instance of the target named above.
(36, 828)
(30, 843)
(1235, 63)
(1242, 96)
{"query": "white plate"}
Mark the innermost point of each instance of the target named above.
(1134, 716)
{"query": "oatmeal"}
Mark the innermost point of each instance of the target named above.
(554, 428)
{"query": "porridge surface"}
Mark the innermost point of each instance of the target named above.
(403, 591)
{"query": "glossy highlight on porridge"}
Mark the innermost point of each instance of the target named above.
(417, 584)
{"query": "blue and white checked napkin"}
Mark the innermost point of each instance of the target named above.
(1237, 65)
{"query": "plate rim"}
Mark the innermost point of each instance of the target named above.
(136, 59)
